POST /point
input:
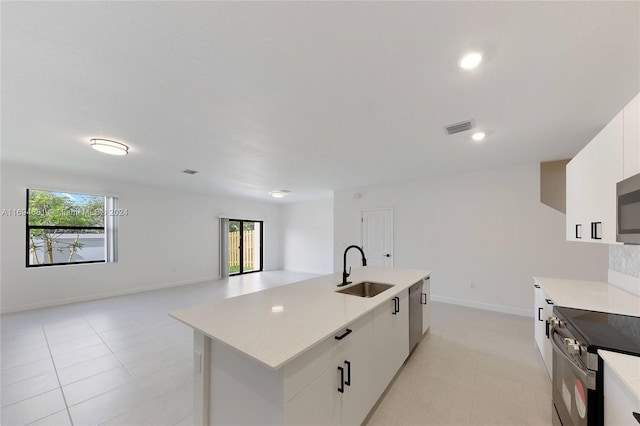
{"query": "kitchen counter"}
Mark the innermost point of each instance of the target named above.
(590, 295)
(279, 350)
(626, 367)
(276, 325)
(601, 297)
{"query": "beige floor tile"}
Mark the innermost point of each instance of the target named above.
(61, 418)
(472, 365)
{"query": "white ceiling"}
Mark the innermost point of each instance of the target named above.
(308, 96)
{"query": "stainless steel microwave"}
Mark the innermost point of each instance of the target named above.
(628, 210)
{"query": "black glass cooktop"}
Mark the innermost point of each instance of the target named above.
(601, 330)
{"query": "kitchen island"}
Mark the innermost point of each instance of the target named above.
(301, 353)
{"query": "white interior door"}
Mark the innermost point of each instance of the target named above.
(377, 236)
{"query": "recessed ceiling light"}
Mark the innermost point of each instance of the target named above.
(109, 147)
(478, 136)
(279, 193)
(470, 61)
(277, 309)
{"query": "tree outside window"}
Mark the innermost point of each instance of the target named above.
(64, 228)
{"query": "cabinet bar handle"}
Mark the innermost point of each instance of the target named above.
(424, 298)
(345, 334)
(539, 310)
(595, 227)
(549, 301)
(348, 381)
(536, 286)
(547, 329)
(578, 232)
(341, 388)
(396, 305)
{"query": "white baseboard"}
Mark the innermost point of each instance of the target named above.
(624, 282)
(58, 302)
(481, 305)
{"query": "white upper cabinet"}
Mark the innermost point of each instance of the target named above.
(592, 175)
(602, 169)
(575, 225)
(632, 138)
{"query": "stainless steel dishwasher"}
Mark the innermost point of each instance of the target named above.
(415, 314)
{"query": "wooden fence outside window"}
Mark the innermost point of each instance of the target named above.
(234, 253)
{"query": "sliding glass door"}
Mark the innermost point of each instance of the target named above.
(245, 246)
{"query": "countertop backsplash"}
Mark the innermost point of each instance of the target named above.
(625, 259)
(624, 267)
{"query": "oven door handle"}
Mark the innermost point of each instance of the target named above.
(587, 376)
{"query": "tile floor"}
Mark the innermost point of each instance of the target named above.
(123, 361)
(474, 368)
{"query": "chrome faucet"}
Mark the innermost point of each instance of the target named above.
(346, 274)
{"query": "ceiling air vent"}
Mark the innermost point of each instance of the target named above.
(459, 127)
(189, 172)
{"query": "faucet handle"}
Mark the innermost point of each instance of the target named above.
(349, 273)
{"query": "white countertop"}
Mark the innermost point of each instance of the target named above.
(311, 312)
(602, 297)
(626, 367)
(590, 295)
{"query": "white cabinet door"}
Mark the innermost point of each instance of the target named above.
(359, 395)
(619, 401)
(334, 377)
(305, 368)
(543, 310)
(575, 225)
(538, 318)
(391, 339)
(317, 404)
(426, 304)
(632, 138)
(602, 169)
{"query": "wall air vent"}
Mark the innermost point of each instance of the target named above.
(189, 172)
(459, 127)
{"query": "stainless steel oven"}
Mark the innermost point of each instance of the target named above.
(578, 381)
(628, 210)
(576, 395)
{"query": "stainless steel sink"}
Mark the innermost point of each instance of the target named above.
(365, 289)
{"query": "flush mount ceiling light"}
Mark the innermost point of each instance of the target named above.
(109, 147)
(470, 60)
(463, 126)
(478, 136)
(279, 193)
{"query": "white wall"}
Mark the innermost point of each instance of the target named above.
(168, 238)
(308, 236)
(487, 228)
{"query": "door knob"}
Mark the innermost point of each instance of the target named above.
(387, 255)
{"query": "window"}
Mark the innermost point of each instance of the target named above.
(66, 228)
